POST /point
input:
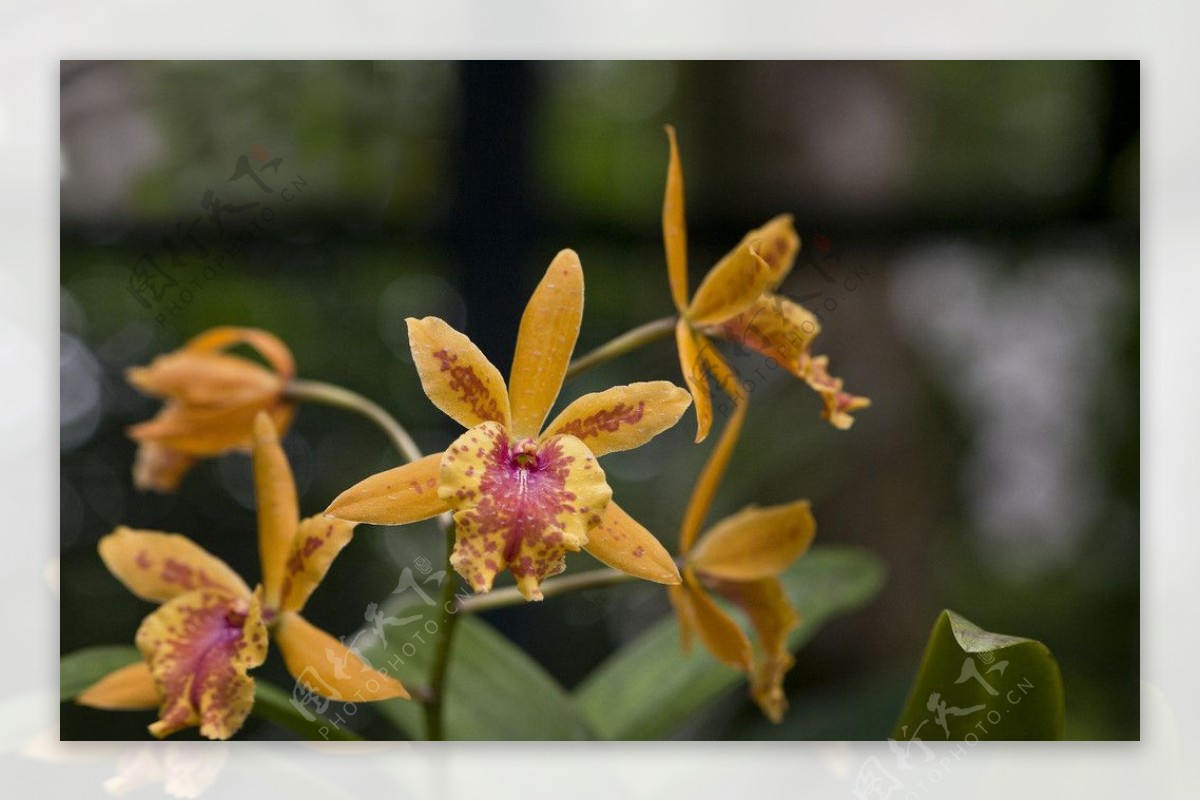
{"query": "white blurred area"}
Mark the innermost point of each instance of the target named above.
(1021, 351)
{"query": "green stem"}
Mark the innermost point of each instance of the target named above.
(629, 341)
(434, 722)
(510, 596)
(341, 398)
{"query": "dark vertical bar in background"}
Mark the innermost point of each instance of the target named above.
(1120, 128)
(491, 217)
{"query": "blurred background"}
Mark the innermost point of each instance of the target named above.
(971, 241)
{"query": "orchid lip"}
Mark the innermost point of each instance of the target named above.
(525, 454)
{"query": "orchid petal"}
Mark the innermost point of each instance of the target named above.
(719, 632)
(455, 374)
(755, 543)
(549, 330)
(674, 225)
(621, 418)
(777, 328)
(278, 509)
(624, 544)
(773, 618)
(694, 375)
(838, 403)
(519, 504)
(267, 344)
(198, 430)
(130, 687)
(160, 468)
(199, 647)
(730, 287)
(317, 542)
(777, 243)
(685, 613)
(714, 468)
(206, 379)
(404, 494)
(157, 566)
(325, 666)
(212, 399)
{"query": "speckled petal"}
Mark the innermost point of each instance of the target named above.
(455, 374)
(621, 418)
(318, 541)
(200, 647)
(519, 504)
(404, 494)
(625, 544)
(777, 328)
(158, 566)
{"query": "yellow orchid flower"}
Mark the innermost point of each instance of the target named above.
(210, 630)
(736, 301)
(524, 495)
(212, 399)
(740, 558)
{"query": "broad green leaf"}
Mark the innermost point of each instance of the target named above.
(976, 684)
(649, 687)
(495, 691)
(273, 704)
(81, 669)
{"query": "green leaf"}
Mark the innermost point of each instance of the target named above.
(79, 670)
(649, 688)
(976, 684)
(273, 704)
(494, 690)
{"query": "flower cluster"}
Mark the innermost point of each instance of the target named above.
(211, 628)
(522, 493)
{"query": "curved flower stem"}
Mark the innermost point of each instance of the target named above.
(434, 724)
(629, 341)
(509, 596)
(342, 398)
